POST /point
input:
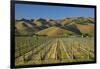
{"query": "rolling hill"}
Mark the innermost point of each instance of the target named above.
(86, 29)
(50, 27)
(54, 31)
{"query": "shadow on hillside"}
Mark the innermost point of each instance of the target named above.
(72, 28)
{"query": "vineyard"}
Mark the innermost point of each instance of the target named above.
(46, 50)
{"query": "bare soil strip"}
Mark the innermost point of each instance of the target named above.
(64, 48)
(52, 53)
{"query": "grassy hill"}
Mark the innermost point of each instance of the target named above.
(54, 31)
(86, 29)
(50, 27)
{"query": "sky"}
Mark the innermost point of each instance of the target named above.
(28, 11)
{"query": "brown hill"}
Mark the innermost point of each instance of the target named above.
(54, 31)
(86, 29)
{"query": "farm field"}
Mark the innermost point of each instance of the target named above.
(46, 50)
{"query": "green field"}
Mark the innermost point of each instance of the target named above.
(46, 50)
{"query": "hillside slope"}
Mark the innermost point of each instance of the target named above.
(54, 31)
